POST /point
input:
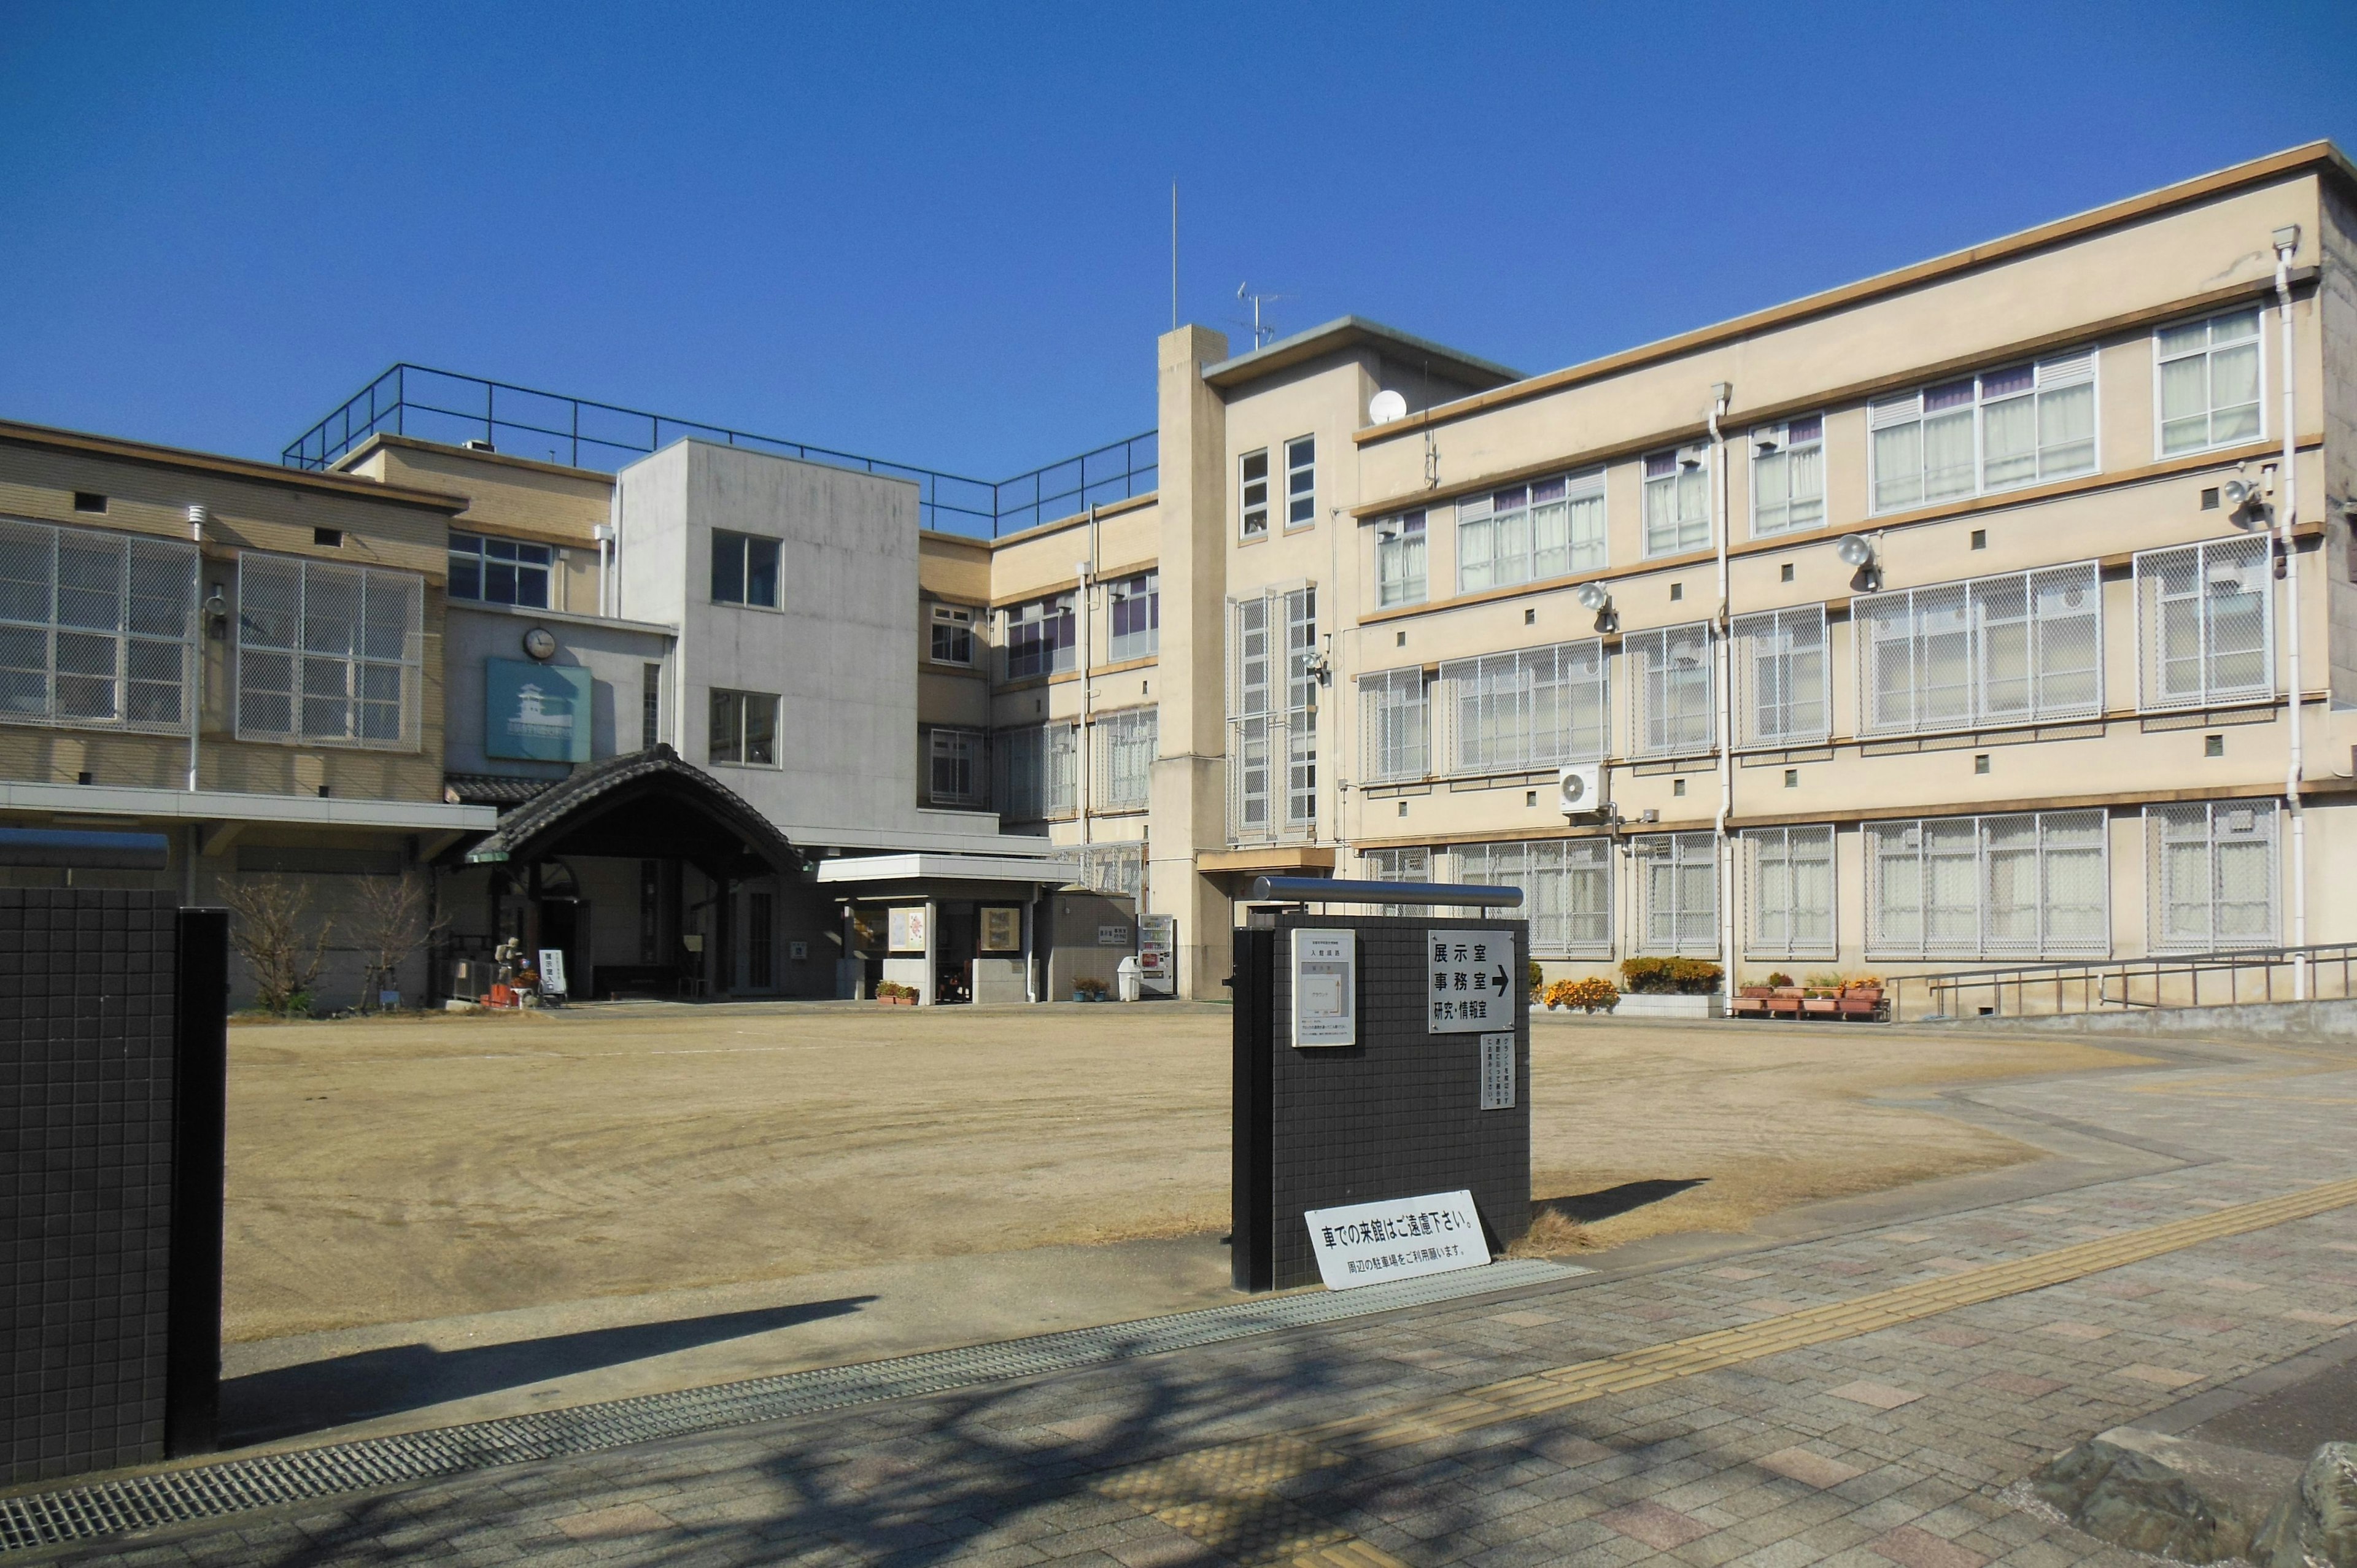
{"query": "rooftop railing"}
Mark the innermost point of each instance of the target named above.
(443, 405)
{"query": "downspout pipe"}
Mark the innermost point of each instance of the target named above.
(1088, 574)
(2287, 241)
(1721, 394)
(198, 517)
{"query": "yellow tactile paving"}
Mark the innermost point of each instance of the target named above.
(1225, 1497)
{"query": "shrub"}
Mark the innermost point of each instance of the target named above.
(1670, 976)
(1778, 979)
(1090, 986)
(1587, 994)
(1537, 978)
(893, 991)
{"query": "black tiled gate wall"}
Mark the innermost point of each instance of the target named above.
(1396, 1115)
(110, 1177)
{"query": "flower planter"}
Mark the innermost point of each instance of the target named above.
(1650, 1004)
(897, 1000)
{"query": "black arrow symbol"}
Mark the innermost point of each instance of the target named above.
(1501, 982)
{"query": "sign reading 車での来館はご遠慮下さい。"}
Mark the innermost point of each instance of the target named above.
(1471, 981)
(1367, 1243)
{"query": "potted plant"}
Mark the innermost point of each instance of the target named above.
(1822, 996)
(1088, 988)
(1669, 988)
(1588, 995)
(892, 994)
(1861, 998)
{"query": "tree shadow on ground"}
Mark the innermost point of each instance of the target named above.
(1588, 1208)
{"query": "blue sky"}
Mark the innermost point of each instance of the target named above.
(941, 235)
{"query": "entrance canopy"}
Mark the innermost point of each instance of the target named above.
(647, 805)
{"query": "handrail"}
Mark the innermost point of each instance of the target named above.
(603, 436)
(2159, 980)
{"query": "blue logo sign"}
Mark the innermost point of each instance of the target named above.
(535, 713)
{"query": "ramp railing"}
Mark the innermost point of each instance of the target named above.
(2164, 980)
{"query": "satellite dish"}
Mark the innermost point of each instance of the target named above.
(1386, 406)
(1855, 550)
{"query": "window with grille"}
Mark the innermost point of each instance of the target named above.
(1414, 865)
(1677, 500)
(2027, 885)
(1790, 875)
(1527, 533)
(96, 629)
(1272, 716)
(1535, 707)
(1113, 868)
(1395, 726)
(1784, 682)
(744, 728)
(1677, 893)
(2209, 382)
(1125, 744)
(1566, 889)
(1040, 637)
(952, 634)
(744, 569)
(2015, 426)
(2214, 875)
(649, 705)
(1252, 494)
(1038, 768)
(953, 758)
(1133, 616)
(1301, 481)
(2019, 649)
(1670, 690)
(1399, 560)
(1788, 476)
(327, 654)
(499, 571)
(2205, 629)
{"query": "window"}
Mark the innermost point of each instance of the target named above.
(2019, 648)
(1536, 707)
(1677, 500)
(1791, 886)
(499, 571)
(1038, 769)
(744, 728)
(96, 629)
(744, 570)
(1134, 609)
(1527, 532)
(2205, 617)
(1788, 476)
(1254, 493)
(1990, 432)
(1566, 889)
(1783, 683)
(649, 705)
(1412, 864)
(2209, 382)
(1394, 722)
(1677, 893)
(1272, 716)
(1113, 868)
(1039, 637)
(1670, 690)
(2214, 875)
(1399, 560)
(327, 655)
(953, 767)
(2031, 884)
(1126, 743)
(952, 634)
(1301, 481)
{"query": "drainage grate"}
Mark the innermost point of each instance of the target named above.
(207, 1491)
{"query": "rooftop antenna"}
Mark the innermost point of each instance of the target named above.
(1174, 255)
(1261, 334)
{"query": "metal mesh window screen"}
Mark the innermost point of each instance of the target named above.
(1790, 880)
(1114, 868)
(1394, 725)
(1784, 682)
(2019, 648)
(1670, 696)
(96, 630)
(2214, 875)
(1034, 769)
(1410, 864)
(1273, 685)
(2205, 623)
(1536, 707)
(327, 654)
(2030, 883)
(1677, 893)
(1566, 889)
(1126, 746)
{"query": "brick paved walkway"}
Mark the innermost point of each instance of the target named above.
(1599, 1434)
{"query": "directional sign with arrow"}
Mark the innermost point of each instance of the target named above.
(1472, 981)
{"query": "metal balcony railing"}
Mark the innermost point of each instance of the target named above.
(2167, 979)
(443, 405)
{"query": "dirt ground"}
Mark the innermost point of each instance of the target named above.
(387, 1171)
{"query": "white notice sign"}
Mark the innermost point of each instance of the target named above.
(1367, 1243)
(1325, 988)
(1472, 981)
(1498, 1072)
(552, 971)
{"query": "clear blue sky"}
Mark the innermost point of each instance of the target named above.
(941, 234)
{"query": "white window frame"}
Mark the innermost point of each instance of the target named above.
(1673, 675)
(1050, 657)
(1677, 865)
(2162, 358)
(2209, 827)
(1774, 450)
(1548, 528)
(1402, 554)
(1138, 588)
(1774, 887)
(58, 636)
(1680, 464)
(314, 665)
(2054, 373)
(2244, 559)
(1395, 726)
(1272, 716)
(959, 748)
(1924, 624)
(541, 562)
(956, 622)
(1527, 709)
(1126, 743)
(1783, 677)
(1252, 510)
(1935, 855)
(744, 705)
(1300, 482)
(1552, 873)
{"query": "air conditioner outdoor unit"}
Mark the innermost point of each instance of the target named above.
(1579, 788)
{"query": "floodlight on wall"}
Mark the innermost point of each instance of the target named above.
(2245, 498)
(1856, 550)
(1596, 598)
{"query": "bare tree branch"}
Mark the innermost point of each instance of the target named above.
(280, 942)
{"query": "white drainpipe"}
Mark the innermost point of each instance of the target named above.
(1088, 574)
(2287, 240)
(198, 517)
(1721, 393)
